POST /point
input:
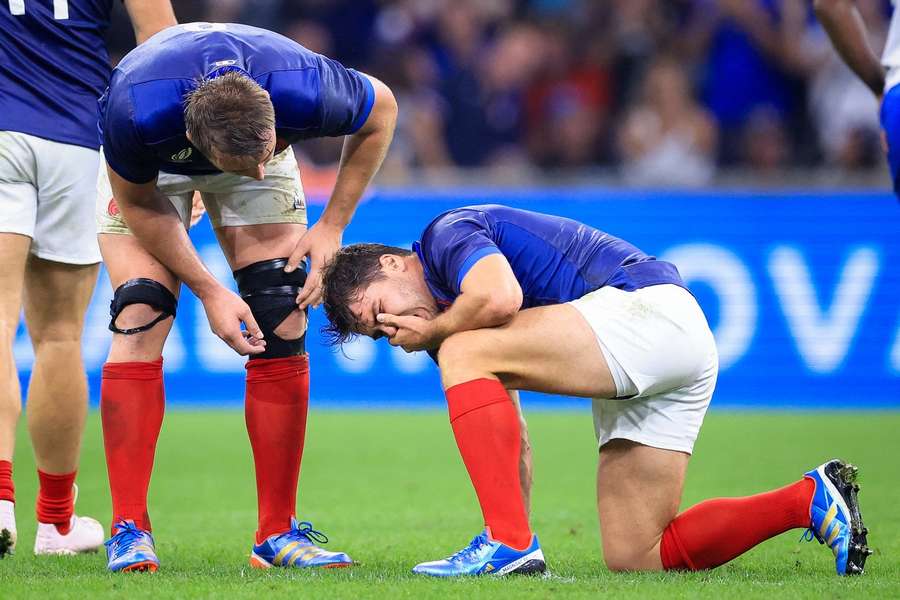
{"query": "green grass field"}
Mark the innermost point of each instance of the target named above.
(390, 489)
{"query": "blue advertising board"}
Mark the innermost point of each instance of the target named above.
(802, 291)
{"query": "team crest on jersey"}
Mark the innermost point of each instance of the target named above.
(182, 155)
(112, 208)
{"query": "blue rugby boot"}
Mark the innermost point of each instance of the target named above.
(834, 516)
(131, 549)
(484, 556)
(295, 548)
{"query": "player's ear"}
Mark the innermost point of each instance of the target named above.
(392, 262)
(187, 134)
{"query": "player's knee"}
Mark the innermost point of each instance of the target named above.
(135, 315)
(461, 349)
(140, 304)
(64, 336)
(271, 295)
(621, 560)
(293, 326)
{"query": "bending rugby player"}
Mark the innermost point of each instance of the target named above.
(509, 299)
(214, 108)
(54, 67)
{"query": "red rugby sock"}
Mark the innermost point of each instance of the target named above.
(132, 403)
(277, 398)
(487, 430)
(716, 531)
(7, 489)
(56, 500)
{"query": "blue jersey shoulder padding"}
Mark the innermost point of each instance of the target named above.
(554, 259)
(142, 113)
(53, 67)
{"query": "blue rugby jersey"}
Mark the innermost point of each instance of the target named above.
(554, 259)
(142, 112)
(53, 67)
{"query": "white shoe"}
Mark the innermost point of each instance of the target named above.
(85, 535)
(7, 524)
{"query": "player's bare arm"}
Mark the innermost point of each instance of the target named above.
(155, 222)
(490, 297)
(149, 17)
(844, 25)
(361, 157)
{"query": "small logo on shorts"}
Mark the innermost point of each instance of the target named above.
(298, 201)
(112, 208)
(182, 155)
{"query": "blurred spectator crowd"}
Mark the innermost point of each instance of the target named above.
(664, 91)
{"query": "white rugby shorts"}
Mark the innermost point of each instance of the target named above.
(46, 193)
(230, 200)
(663, 359)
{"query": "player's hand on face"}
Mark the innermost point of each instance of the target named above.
(410, 333)
(226, 311)
(319, 243)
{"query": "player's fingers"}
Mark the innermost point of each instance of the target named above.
(389, 331)
(389, 320)
(299, 253)
(239, 344)
(251, 325)
(253, 341)
(312, 289)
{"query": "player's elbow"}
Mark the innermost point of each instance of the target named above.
(501, 308)
(385, 109)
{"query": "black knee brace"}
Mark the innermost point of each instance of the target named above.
(141, 291)
(271, 294)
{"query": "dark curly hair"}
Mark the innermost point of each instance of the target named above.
(351, 270)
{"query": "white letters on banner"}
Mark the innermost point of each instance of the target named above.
(822, 333)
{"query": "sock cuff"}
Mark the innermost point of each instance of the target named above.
(7, 489)
(43, 477)
(471, 395)
(145, 370)
(672, 552)
(276, 369)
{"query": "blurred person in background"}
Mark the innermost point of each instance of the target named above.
(743, 46)
(846, 25)
(843, 109)
(668, 138)
(764, 145)
(53, 67)
(568, 103)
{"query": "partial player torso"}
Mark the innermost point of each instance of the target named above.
(53, 67)
(142, 113)
(555, 259)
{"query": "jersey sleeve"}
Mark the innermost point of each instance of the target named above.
(123, 148)
(454, 242)
(346, 98)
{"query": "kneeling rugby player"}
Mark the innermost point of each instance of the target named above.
(509, 299)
